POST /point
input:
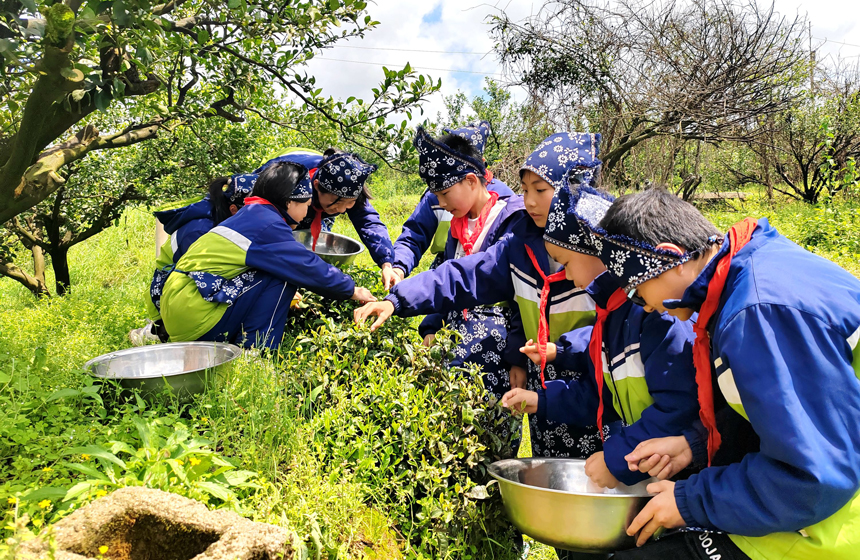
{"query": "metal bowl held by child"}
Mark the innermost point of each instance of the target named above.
(335, 249)
(187, 368)
(554, 502)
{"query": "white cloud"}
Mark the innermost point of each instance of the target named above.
(458, 26)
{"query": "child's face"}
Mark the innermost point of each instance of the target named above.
(669, 285)
(298, 210)
(332, 203)
(579, 268)
(459, 198)
(537, 197)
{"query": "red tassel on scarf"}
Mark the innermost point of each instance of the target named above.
(543, 323)
(595, 348)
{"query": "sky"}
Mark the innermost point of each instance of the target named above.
(449, 39)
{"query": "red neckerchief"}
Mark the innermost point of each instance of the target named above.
(316, 224)
(739, 235)
(459, 225)
(543, 323)
(595, 348)
(258, 200)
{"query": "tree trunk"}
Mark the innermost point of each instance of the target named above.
(60, 264)
(36, 285)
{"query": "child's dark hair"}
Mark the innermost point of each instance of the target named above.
(277, 182)
(219, 203)
(463, 146)
(658, 216)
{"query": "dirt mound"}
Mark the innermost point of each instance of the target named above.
(144, 524)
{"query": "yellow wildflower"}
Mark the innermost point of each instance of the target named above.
(101, 493)
(103, 549)
(194, 461)
(47, 469)
(179, 462)
(12, 501)
(85, 457)
(45, 504)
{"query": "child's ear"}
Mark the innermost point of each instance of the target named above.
(671, 247)
(233, 209)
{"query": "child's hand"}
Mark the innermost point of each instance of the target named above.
(531, 350)
(661, 511)
(391, 276)
(661, 457)
(598, 472)
(520, 401)
(428, 340)
(362, 295)
(381, 309)
(518, 377)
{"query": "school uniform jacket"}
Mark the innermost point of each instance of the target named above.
(427, 228)
(648, 375)
(257, 237)
(503, 272)
(364, 218)
(509, 219)
(785, 356)
(184, 226)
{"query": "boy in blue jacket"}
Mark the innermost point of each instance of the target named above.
(777, 334)
(427, 227)
(517, 269)
(331, 198)
(643, 362)
(235, 283)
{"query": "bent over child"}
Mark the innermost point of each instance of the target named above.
(236, 282)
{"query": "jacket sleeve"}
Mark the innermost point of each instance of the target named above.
(480, 279)
(279, 254)
(416, 237)
(431, 324)
(372, 232)
(666, 350)
(571, 401)
(516, 339)
(572, 350)
(794, 376)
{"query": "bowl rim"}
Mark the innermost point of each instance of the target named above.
(140, 349)
(361, 246)
(493, 468)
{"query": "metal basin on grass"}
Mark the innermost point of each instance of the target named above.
(333, 248)
(554, 502)
(187, 368)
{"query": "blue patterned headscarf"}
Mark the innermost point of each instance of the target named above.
(633, 261)
(303, 189)
(561, 152)
(238, 187)
(441, 166)
(343, 174)
(575, 212)
(476, 134)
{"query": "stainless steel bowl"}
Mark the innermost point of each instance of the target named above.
(187, 368)
(554, 502)
(335, 249)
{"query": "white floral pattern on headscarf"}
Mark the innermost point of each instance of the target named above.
(343, 174)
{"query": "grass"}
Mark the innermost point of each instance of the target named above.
(255, 420)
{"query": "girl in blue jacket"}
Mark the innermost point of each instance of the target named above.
(236, 282)
(777, 334)
(185, 226)
(640, 364)
(334, 195)
(517, 269)
(427, 227)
